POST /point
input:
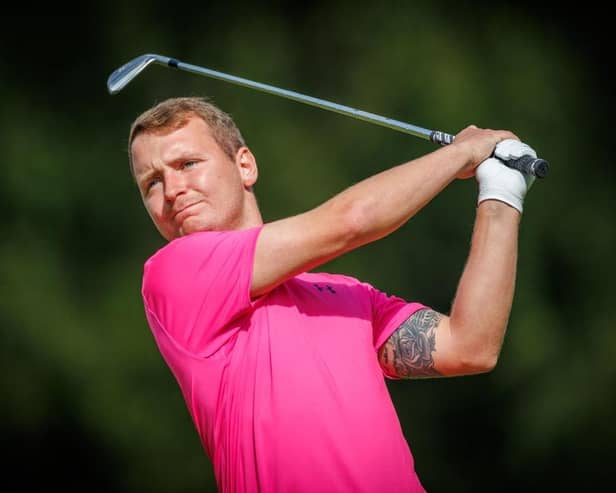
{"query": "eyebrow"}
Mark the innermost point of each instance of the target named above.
(174, 162)
(141, 179)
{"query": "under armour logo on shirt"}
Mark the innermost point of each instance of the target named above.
(323, 288)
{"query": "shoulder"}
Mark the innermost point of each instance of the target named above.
(186, 242)
(200, 256)
(175, 254)
(203, 244)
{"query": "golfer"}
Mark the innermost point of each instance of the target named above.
(283, 367)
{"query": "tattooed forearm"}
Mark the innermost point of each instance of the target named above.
(408, 352)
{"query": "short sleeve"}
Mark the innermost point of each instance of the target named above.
(388, 313)
(197, 285)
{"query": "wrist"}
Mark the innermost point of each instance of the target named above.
(498, 210)
(502, 197)
(461, 157)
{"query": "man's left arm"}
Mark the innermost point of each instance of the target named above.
(469, 340)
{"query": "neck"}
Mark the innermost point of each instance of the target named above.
(252, 214)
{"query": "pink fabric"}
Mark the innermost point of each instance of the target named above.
(286, 391)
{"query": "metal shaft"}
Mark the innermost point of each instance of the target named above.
(295, 96)
(127, 72)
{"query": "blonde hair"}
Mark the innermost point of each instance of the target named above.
(174, 113)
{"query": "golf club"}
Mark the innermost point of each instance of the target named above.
(127, 72)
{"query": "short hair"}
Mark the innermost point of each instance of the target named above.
(174, 113)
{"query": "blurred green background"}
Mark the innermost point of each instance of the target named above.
(88, 403)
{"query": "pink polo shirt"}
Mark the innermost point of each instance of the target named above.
(286, 392)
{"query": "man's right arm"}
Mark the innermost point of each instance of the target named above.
(366, 211)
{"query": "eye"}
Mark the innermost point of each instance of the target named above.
(151, 182)
(189, 164)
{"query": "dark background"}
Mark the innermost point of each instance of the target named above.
(89, 403)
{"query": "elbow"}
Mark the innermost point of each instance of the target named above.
(476, 344)
(485, 363)
(361, 218)
(478, 357)
(346, 225)
(358, 223)
(476, 364)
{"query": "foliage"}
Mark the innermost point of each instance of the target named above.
(87, 395)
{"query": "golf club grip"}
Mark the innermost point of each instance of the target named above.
(529, 165)
(526, 164)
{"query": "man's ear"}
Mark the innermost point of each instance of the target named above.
(247, 164)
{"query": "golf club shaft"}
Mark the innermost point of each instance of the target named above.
(525, 164)
(319, 103)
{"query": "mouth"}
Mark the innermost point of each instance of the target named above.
(184, 212)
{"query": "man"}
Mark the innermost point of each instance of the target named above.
(283, 369)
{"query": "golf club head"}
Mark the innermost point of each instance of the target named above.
(127, 72)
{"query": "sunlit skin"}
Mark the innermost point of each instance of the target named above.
(188, 183)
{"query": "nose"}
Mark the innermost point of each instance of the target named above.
(174, 185)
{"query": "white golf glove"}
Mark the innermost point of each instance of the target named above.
(500, 182)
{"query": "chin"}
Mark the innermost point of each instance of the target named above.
(195, 226)
(182, 231)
